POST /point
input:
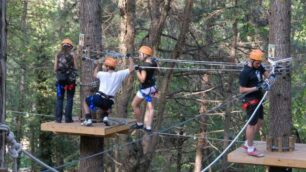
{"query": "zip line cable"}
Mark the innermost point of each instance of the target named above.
(38, 161)
(27, 113)
(240, 132)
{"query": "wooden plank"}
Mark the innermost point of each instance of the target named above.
(75, 128)
(295, 159)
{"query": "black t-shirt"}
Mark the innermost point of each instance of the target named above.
(150, 77)
(251, 77)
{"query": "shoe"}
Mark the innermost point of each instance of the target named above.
(58, 121)
(106, 123)
(87, 122)
(149, 131)
(255, 153)
(136, 126)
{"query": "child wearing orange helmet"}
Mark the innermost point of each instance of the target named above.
(65, 67)
(110, 83)
(146, 77)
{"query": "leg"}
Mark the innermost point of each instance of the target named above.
(59, 103)
(69, 105)
(149, 116)
(250, 132)
(136, 108)
(86, 104)
(252, 128)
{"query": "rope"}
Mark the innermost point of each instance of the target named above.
(27, 113)
(240, 132)
(15, 148)
(39, 161)
(190, 69)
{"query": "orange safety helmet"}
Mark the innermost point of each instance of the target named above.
(67, 42)
(256, 55)
(110, 61)
(146, 50)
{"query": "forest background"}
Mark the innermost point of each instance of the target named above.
(217, 30)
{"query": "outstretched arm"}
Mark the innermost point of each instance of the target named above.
(96, 71)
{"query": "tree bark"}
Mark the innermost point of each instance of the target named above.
(178, 50)
(123, 98)
(126, 45)
(22, 86)
(159, 11)
(90, 24)
(280, 97)
(3, 28)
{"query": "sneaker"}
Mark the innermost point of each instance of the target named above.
(106, 123)
(149, 131)
(255, 153)
(136, 126)
(87, 122)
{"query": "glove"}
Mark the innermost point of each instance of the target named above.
(137, 67)
(264, 86)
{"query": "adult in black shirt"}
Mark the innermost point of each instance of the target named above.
(250, 80)
(146, 77)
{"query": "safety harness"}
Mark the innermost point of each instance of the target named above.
(60, 87)
(102, 95)
(245, 103)
(148, 97)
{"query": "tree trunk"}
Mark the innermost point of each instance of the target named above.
(178, 50)
(90, 146)
(90, 24)
(3, 29)
(201, 140)
(280, 97)
(158, 18)
(126, 37)
(22, 86)
(126, 45)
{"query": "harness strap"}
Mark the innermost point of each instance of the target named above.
(103, 95)
(248, 103)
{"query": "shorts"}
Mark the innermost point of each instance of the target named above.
(258, 115)
(147, 93)
(97, 100)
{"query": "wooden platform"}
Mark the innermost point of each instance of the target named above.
(97, 129)
(295, 159)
